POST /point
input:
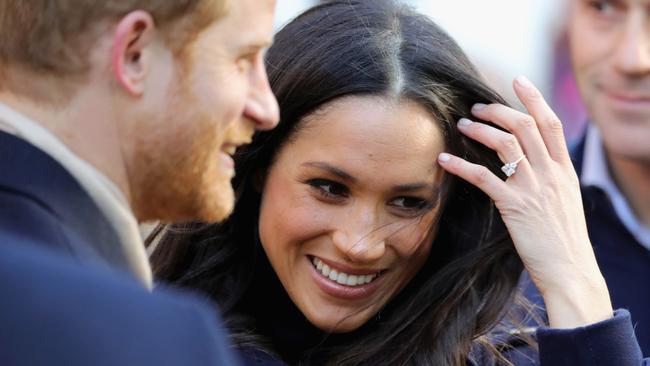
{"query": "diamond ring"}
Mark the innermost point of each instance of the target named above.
(510, 168)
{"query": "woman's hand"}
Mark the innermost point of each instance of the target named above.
(540, 204)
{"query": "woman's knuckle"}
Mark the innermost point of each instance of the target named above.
(510, 143)
(554, 124)
(482, 174)
(527, 122)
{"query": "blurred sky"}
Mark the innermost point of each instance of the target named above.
(505, 38)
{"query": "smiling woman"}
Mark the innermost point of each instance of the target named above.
(350, 242)
(324, 206)
(349, 182)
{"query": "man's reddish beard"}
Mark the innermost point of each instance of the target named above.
(178, 172)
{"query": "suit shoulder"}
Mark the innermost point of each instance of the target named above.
(23, 215)
(86, 315)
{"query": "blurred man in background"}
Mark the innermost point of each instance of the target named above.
(609, 43)
(115, 112)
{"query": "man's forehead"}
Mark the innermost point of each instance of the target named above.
(254, 17)
(250, 9)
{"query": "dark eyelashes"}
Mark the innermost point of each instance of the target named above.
(335, 191)
(421, 207)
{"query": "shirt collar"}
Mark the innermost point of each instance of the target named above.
(595, 173)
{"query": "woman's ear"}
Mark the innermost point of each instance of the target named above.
(133, 37)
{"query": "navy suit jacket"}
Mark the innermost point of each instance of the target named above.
(60, 303)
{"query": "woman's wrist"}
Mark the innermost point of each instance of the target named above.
(578, 301)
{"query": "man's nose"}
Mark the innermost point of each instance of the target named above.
(261, 107)
(632, 50)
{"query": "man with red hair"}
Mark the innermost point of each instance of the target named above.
(113, 113)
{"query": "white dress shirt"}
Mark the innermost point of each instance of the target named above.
(596, 173)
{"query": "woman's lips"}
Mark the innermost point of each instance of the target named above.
(351, 285)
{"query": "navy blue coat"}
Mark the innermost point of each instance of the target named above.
(60, 304)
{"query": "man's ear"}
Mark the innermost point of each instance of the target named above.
(134, 34)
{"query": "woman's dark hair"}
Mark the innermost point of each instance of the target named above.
(368, 48)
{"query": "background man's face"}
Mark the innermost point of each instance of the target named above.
(610, 49)
(214, 102)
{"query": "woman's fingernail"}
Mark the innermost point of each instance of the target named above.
(465, 122)
(478, 106)
(444, 157)
(524, 82)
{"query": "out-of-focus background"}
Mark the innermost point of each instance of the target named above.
(505, 39)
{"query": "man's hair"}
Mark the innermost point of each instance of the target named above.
(52, 38)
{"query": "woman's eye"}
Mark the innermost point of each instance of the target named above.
(328, 188)
(412, 204)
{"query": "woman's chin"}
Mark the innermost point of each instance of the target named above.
(338, 323)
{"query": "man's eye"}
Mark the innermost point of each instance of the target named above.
(603, 7)
(328, 188)
(244, 64)
(250, 60)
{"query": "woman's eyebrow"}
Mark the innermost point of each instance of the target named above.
(331, 169)
(410, 187)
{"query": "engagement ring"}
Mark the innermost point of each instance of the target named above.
(510, 168)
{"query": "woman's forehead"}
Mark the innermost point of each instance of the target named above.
(379, 126)
(370, 136)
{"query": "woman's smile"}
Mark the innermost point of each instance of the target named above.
(343, 283)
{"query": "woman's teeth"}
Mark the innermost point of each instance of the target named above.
(341, 277)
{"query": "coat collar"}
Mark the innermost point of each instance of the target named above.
(30, 172)
(34, 174)
(128, 251)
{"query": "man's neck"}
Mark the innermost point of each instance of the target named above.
(85, 128)
(633, 180)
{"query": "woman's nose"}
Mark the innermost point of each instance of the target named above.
(360, 246)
